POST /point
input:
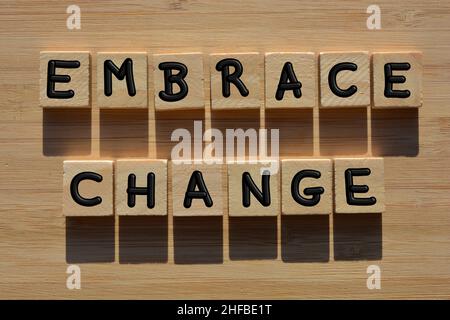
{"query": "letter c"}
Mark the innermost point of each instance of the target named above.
(75, 193)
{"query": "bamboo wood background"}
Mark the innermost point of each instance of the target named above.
(293, 257)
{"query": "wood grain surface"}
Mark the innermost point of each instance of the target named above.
(213, 257)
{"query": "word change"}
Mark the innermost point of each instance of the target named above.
(304, 186)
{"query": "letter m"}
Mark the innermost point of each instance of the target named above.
(126, 70)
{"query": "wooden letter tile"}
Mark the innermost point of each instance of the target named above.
(191, 93)
(75, 66)
(359, 173)
(125, 93)
(290, 68)
(150, 174)
(241, 201)
(350, 87)
(403, 73)
(298, 178)
(251, 66)
(88, 188)
(197, 177)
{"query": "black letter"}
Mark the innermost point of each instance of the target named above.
(288, 81)
(248, 185)
(170, 79)
(132, 190)
(202, 193)
(350, 189)
(343, 93)
(227, 78)
(52, 78)
(74, 192)
(126, 70)
(389, 80)
(314, 192)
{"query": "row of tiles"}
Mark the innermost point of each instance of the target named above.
(237, 81)
(292, 187)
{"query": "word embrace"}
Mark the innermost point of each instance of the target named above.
(237, 81)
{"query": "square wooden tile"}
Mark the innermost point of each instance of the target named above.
(252, 74)
(88, 188)
(202, 176)
(290, 68)
(361, 173)
(123, 94)
(404, 87)
(141, 173)
(173, 97)
(75, 67)
(306, 186)
(352, 87)
(240, 172)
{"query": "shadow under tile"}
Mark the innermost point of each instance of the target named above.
(89, 239)
(235, 119)
(358, 236)
(124, 133)
(252, 238)
(143, 239)
(305, 238)
(395, 132)
(296, 131)
(343, 131)
(66, 132)
(198, 240)
(169, 121)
